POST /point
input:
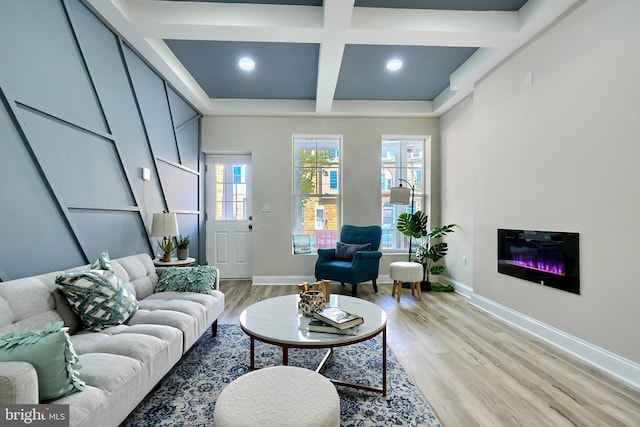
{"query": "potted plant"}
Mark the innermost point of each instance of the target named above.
(183, 247)
(167, 245)
(429, 250)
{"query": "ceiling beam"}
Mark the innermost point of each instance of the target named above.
(146, 23)
(337, 18)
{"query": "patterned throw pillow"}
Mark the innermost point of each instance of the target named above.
(50, 352)
(199, 279)
(98, 296)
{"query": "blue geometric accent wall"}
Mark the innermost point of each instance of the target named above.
(80, 115)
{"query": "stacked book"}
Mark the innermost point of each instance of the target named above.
(334, 320)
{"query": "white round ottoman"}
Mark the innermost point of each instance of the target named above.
(403, 271)
(278, 396)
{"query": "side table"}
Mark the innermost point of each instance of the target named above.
(175, 262)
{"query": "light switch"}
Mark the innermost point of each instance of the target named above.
(528, 79)
(146, 174)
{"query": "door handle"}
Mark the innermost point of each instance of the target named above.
(250, 226)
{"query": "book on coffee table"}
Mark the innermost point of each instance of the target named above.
(316, 325)
(337, 317)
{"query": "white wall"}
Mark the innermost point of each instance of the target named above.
(559, 155)
(269, 140)
(457, 183)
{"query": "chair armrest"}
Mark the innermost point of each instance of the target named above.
(18, 383)
(325, 255)
(217, 285)
(366, 256)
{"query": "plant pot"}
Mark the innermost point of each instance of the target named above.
(425, 285)
(166, 257)
(183, 254)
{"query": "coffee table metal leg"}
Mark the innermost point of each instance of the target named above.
(384, 361)
(285, 356)
(252, 364)
(324, 360)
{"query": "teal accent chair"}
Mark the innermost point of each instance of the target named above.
(361, 268)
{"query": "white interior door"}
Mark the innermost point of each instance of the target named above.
(228, 192)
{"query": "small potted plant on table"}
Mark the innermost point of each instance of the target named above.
(167, 245)
(183, 247)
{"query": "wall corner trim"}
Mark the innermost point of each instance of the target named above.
(614, 365)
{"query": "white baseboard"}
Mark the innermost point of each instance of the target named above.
(619, 367)
(461, 288)
(281, 280)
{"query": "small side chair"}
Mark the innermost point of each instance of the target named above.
(355, 259)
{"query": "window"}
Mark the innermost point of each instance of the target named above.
(316, 193)
(400, 159)
(230, 191)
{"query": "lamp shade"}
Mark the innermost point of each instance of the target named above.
(165, 224)
(400, 195)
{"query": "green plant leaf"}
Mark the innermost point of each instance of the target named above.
(438, 251)
(441, 231)
(436, 269)
(413, 225)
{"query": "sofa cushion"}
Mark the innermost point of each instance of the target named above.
(98, 295)
(200, 279)
(51, 353)
(346, 251)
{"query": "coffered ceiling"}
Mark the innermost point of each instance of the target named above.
(327, 57)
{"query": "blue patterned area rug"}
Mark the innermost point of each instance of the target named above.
(187, 395)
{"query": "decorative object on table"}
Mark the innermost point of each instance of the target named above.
(316, 325)
(364, 263)
(165, 225)
(183, 247)
(310, 301)
(323, 286)
(303, 287)
(429, 250)
(338, 318)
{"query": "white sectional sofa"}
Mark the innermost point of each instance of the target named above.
(120, 364)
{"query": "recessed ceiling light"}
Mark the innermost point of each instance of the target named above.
(246, 64)
(394, 65)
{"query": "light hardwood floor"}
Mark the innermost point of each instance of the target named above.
(476, 370)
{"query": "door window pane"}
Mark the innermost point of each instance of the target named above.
(231, 192)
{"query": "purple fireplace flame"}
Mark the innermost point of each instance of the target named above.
(548, 266)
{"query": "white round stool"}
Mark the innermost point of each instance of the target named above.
(278, 396)
(402, 271)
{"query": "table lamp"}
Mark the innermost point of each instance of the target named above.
(165, 225)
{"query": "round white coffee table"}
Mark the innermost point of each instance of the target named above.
(278, 321)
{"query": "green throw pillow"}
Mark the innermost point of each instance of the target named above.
(199, 279)
(51, 354)
(98, 296)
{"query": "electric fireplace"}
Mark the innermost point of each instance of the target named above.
(549, 258)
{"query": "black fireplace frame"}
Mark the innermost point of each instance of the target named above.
(566, 242)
